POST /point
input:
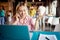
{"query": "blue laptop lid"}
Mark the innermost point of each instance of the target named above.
(14, 32)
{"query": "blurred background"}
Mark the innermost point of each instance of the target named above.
(52, 11)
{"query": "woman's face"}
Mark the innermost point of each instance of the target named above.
(22, 11)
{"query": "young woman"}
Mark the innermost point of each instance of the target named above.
(21, 18)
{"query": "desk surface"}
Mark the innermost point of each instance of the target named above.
(37, 33)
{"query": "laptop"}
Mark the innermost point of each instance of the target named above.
(14, 32)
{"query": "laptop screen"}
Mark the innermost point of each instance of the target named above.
(14, 32)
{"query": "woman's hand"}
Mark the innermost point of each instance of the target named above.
(16, 20)
(17, 17)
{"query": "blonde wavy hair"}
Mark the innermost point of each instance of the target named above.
(19, 5)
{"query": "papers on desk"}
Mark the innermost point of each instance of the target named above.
(47, 37)
(31, 34)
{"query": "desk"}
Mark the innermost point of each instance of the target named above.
(37, 33)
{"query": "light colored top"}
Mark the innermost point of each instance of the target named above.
(27, 21)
